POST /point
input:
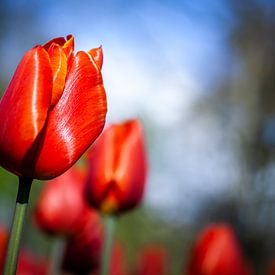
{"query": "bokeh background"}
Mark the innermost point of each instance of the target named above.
(201, 76)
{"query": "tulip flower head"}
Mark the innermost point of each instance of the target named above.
(217, 252)
(117, 168)
(61, 205)
(271, 268)
(117, 265)
(53, 109)
(83, 250)
(3, 246)
(153, 260)
(30, 264)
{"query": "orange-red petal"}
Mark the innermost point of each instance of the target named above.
(97, 55)
(58, 40)
(131, 164)
(101, 169)
(59, 70)
(76, 120)
(23, 111)
(68, 47)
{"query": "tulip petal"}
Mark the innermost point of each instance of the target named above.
(68, 47)
(217, 251)
(118, 168)
(97, 55)
(101, 172)
(59, 69)
(76, 120)
(24, 109)
(130, 175)
(58, 40)
(64, 193)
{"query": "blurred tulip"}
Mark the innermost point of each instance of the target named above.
(61, 206)
(117, 266)
(117, 169)
(28, 264)
(217, 252)
(53, 109)
(271, 268)
(3, 246)
(153, 260)
(83, 250)
(62, 210)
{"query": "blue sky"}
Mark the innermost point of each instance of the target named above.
(193, 34)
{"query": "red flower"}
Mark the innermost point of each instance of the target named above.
(271, 268)
(61, 208)
(117, 265)
(153, 260)
(53, 109)
(217, 252)
(83, 250)
(117, 169)
(3, 246)
(30, 264)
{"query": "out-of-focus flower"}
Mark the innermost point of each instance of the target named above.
(118, 263)
(117, 168)
(217, 252)
(271, 268)
(3, 245)
(153, 260)
(53, 109)
(83, 250)
(61, 208)
(28, 264)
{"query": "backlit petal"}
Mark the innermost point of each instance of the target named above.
(76, 120)
(24, 109)
(97, 55)
(58, 40)
(59, 69)
(68, 47)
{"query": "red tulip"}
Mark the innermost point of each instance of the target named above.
(217, 252)
(117, 169)
(271, 268)
(3, 245)
(117, 265)
(61, 207)
(53, 109)
(153, 261)
(28, 264)
(83, 250)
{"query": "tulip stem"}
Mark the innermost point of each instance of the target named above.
(110, 226)
(56, 256)
(22, 200)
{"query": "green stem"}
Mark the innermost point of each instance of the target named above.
(110, 225)
(22, 200)
(56, 256)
